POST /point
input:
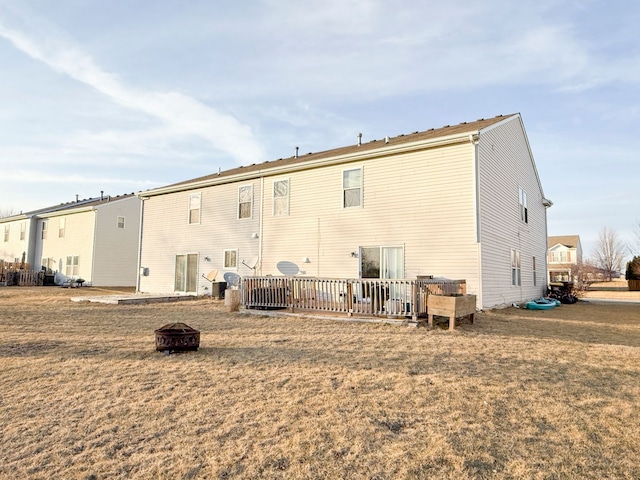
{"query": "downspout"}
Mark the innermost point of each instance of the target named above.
(260, 229)
(95, 243)
(475, 141)
(140, 246)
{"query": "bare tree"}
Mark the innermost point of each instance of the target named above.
(609, 252)
(7, 212)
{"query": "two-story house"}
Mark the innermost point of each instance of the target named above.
(462, 202)
(94, 239)
(564, 257)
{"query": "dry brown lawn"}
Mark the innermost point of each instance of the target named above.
(518, 394)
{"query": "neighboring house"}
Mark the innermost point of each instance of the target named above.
(564, 257)
(461, 202)
(94, 239)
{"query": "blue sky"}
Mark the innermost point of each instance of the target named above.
(125, 96)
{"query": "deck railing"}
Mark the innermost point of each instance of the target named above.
(377, 297)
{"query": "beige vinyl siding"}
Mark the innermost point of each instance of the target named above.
(116, 249)
(505, 164)
(423, 201)
(14, 248)
(166, 233)
(78, 241)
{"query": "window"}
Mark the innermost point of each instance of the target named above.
(524, 212)
(61, 224)
(535, 279)
(559, 257)
(72, 266)
(120, 221)
(194, 208)
(44, 229)
(352, 188)
(6, 233)
(381, 262)
(23, 230)
(515, 268)
(230, 259)
(186, 274)
(245, 200)
(281, 197)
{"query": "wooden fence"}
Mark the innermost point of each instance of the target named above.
(376, 297)
(18, 273)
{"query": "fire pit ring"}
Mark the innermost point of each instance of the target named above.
(177, 337)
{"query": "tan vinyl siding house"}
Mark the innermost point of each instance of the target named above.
(15, 232)
(564, 257)
(167, 235)
(443, 202)
(93, 239)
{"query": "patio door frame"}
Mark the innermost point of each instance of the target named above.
(186, 273)
(383, 260)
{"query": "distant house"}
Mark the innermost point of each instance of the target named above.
(461, 202)
(94, 239)
(564, 257)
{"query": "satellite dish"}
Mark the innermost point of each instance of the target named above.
(211, 276)
(251, 263)
(287, 268)
(232, 279)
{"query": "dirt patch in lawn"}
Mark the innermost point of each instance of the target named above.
(518, 394)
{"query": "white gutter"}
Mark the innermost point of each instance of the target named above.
(336, 160)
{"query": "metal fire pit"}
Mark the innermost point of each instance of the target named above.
(177, 337)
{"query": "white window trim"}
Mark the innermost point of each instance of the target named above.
(250, 185)
(273, 190)
(75, 263)
(343, 189)
(516, 267)
(7, 232)
(43, 234)
(189, 209)
(62, 225)
(522, 203)
(23, 230)
(224, 259)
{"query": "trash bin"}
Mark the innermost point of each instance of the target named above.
(217, 290)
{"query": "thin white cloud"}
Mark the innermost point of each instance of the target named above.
(31, 177)
(184, 115)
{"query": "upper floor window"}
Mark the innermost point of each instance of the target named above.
(535, 273)
(245, 201)
(121, 221)
(281, 197)
(352, 188)
(23, 230)
(44, 229)
(524, 212)
(515, 268)
(61, 224)
(560, 257)
(194, 207)
(6, 233)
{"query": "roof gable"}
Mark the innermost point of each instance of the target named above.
(569, 241)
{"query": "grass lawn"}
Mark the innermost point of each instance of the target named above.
(518, 394)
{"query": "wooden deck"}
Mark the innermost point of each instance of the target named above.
(367, 297)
